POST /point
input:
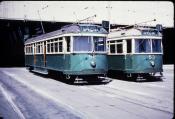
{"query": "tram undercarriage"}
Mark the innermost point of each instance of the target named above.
(144, 76)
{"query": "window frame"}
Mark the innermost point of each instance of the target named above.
(161, 48)
(104, 44)
(133, 44)
(28, 49)
(51, 42)
(39, 48)
(146, 41)
(116, 42)
(92, 44)
(62, 36)
(151, 38)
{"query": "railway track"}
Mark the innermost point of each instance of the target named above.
(141, 99)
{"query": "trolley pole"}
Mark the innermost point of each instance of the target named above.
(41, 23)
(41, 19)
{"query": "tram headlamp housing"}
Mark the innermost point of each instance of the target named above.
(93, 64)
(152, 63)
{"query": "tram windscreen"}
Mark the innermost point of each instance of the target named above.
(82, 43)
(99, 44)
(142, 45)
(156, 45)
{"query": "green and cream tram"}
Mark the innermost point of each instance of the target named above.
(136, 51)
(74, 50)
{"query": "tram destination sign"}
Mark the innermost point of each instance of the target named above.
(150, 32)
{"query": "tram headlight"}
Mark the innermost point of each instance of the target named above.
(93, 64)
(152, 63)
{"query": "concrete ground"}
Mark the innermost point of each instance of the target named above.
(26, 95)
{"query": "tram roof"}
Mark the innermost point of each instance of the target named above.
(72, 28)
(135, 31)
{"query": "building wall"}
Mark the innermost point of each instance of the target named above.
(14, 32)
(168, 46)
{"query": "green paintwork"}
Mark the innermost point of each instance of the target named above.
(135, 63)
(29, 60)
(72, 64)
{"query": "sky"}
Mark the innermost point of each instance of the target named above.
(118, 12)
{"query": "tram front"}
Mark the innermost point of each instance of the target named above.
(88, 56)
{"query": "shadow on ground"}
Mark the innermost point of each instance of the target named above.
(120, 76)
(86, 80)
(98, 81)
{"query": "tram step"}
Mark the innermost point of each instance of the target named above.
(40, 71)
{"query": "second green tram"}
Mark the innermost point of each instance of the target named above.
(136, 51)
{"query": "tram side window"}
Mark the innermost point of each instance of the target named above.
(26, 49)
(38, 48)
(129, 46)
(156, 45)
(119, 46)
(112, 47)
(41, 47)
(48, 48)
(60, 46)
(52, 48)
(31, 49)
(99, 44)
(56, 46)
(68, 43)
(142, 45)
